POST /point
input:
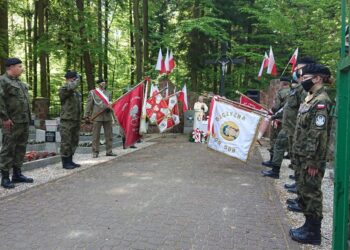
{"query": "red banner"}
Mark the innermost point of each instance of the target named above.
(127, 110)
(250, 103)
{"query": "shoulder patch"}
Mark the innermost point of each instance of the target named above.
(320, 120)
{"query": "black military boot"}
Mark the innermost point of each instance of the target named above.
(311, 234)
(17, 176)
(295, 208)
(273, 173)
(124, 139)
(292, 177)
(293, 201)
(269, 162)
(302, 228)
(66, 164)
(289, 186)
(292, 190)
(5, 180)
(73, 163)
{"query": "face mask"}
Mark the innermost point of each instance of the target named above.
(307, 85)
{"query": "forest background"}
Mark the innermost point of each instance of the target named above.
(119, 40)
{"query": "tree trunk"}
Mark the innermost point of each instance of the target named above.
(35, 52)
(42, 52)
(105, 50)
(145, 36)
(132, 60)
(138, 48)
(99, 37)
(4, 36)
(89, 67)
(30, 47)
(47, 56)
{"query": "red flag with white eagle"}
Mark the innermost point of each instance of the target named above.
(294, 58)
(183, 98)
(264, 65)
(271, 67)
(127, 110)
(171, 115)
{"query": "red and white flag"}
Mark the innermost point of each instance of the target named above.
(160, 63)
(171, 61)
(264, 65)
(183, 98)
(127, 110)
(171, 115)
(246, 101)
(154, 90)
(166, 62)
(154, 105)
(294, 58)
(271, 68)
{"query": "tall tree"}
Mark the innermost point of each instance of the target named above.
(106, 41)
(4, 37)
(99, 38)
(145, 35)
(132, 45)
(42, 5)
(89, 67)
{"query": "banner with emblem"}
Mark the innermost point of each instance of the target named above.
(127, 110)
(232, 130)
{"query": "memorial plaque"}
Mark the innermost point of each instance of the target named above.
(50, 136)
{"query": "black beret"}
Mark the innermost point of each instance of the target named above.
(284, 79)
(100, 80)
(315, 69)
(71, 74)
(12, 61)
(306, 60)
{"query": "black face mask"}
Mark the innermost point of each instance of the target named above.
(307, 85)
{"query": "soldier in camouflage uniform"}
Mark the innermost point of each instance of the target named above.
(15, 116)
(70, 118)
(97, 106)
(310, 148)
(279, 102)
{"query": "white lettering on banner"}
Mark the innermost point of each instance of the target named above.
(233, 130)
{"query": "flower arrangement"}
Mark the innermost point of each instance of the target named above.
(198, 136)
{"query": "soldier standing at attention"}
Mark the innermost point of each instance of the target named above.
(280, 99)
(309, 148)
(70, 118)
(15, 116)
(98, 106)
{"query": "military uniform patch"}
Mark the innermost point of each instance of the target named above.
(320, 120)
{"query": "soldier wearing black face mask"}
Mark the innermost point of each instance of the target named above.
(309, 147)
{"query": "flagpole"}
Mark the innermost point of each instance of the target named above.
(286, 66)
(247, 108)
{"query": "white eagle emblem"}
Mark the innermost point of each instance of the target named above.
(320, 120)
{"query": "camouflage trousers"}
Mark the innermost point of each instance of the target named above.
(273, 136)
(14, 145)
(309, 189)
(281, 145)
(96, 131)
(69, 130)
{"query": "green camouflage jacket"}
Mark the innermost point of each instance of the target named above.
(295, 97)
(311, 132)
(70, 102)
(14, 100)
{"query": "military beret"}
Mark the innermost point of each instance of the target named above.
(284, 79)
(306, 60)
(71, 74)
(12, 61)
(100, 80)
(315, 69)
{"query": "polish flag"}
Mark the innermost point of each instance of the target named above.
(183, 98)
(271, 68)
(154, 90)
(264, 65)
(160, 63)
(294, 58)
(171, 61)
(166, 62)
